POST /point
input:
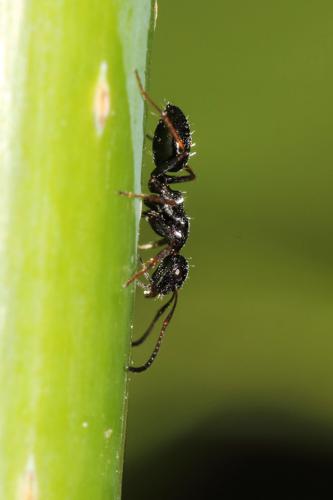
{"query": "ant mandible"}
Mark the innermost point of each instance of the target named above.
(171, 145)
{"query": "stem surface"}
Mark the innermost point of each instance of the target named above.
(71, 136)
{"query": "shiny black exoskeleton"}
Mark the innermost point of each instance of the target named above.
(170, 151)
(166, 214)
(168, 221)
(169, 275)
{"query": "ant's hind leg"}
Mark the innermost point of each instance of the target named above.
(145, 94)
(163, 114)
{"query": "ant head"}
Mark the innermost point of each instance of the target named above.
(172, 140)
(169, 275)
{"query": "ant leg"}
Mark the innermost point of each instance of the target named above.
(168, 165)
(165, 324)
(153, 198)
(142, 285)
(146, 275)
(163, 114)
(159, 313)
(145, 94)
(153, 244)
(183, 178)
(148, 265)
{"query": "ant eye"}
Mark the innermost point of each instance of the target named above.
(180, 270)
(178, 276)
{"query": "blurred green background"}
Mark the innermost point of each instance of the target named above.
(242, 389)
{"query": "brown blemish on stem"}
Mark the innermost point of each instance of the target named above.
(28, 484)
(102, 101)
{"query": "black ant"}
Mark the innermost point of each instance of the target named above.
(171, 146)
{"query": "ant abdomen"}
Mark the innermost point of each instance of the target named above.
(171, 154)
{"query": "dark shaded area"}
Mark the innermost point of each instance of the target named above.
(240, 456)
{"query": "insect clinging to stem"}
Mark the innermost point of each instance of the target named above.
(165, 212)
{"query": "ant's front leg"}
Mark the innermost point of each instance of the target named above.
(149, 264)
(152, 198)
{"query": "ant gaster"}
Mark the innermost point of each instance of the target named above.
(171, 145)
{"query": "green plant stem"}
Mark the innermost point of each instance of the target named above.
(71, 136)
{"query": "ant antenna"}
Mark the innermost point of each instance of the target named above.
(161, 335)
(159, 313)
